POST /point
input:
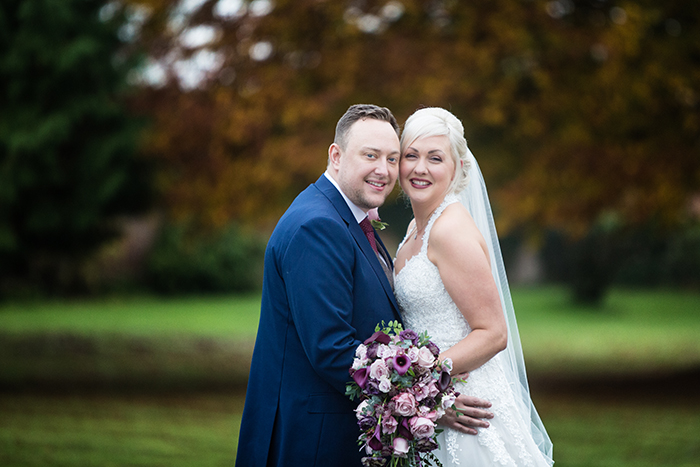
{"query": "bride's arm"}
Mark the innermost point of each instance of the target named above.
(458, 250)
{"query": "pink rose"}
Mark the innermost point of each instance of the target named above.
(430, 414)
(404, 404)
(422, 427)
(373, 214)
(400, 447)
(378, 369)
(425, 357)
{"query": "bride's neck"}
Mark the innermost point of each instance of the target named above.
(422, 213)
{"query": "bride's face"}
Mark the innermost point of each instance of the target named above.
(426, 169)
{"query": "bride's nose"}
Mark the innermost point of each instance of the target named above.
(420, 167)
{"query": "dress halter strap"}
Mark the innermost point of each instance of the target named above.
(449, 199)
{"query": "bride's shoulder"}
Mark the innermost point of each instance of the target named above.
(454, 219)
(455, 226)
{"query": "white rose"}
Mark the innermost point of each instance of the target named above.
(448, 400)
(359, 363)
(386, 351)
(361, 408)
(384, 384)
(361, 351)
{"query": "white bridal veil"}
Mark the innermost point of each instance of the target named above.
(475, 199)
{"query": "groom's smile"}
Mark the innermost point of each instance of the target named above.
(367, 169)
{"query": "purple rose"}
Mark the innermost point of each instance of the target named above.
(433, 348)
(429, 402)
(372, 351)
(365, 423)
(401, 364)
(380, 337)
(360, 376)
(371, 388)
(409, 334)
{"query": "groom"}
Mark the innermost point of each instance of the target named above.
(325, 288)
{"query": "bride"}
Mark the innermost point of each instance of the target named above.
(450, 282)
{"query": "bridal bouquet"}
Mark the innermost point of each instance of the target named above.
(403, 389)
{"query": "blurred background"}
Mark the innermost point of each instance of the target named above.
(147, 149)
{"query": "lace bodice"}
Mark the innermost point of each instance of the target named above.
(424, 302)
(425, 305)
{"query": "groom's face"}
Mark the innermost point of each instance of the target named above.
(366, 170)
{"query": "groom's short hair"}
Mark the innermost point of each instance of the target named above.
(360, 112)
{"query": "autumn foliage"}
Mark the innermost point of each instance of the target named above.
(576, 110)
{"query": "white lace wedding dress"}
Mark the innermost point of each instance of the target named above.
(426, 306)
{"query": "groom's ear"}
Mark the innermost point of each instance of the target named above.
(334, 156)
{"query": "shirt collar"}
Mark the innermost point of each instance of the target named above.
(356, 210)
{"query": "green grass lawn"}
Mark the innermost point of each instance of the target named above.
(185, 345)
(223, 316)
(118, 430)
(634, 331)
(201, 430)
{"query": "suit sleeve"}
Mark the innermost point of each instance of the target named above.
(318, 273)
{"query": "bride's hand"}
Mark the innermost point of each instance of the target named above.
(471, 415)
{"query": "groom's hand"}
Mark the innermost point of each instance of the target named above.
(471, 415)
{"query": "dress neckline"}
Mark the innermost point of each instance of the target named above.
(449, 199)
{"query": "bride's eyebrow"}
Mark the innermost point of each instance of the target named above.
(432, 151)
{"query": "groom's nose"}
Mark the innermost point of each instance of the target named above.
(382, 167)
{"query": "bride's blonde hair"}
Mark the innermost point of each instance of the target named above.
(435, 121)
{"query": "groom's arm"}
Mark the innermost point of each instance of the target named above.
(318, 274)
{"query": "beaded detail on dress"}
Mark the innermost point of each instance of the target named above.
(426, 306)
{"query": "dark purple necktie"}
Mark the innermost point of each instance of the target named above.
(367, 228)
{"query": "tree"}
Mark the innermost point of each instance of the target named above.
(575, 109)
(67, 148)
(583, 114)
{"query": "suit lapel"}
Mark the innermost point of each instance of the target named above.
(331, 192)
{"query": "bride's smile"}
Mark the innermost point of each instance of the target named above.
(426, 170)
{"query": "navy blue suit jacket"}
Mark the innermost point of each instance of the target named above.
(324, 291)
